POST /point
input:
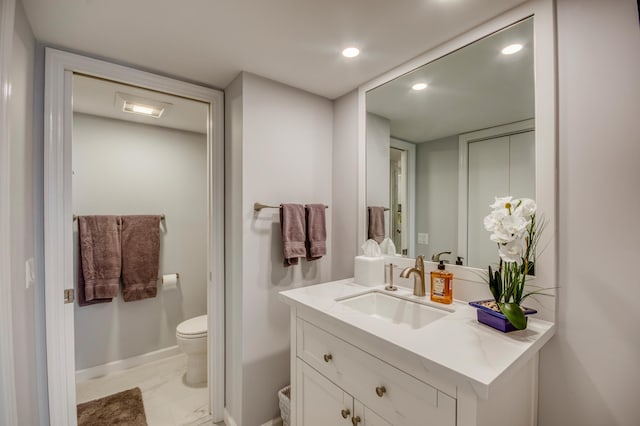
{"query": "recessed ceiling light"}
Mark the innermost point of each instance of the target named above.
(350, 52)
(511, 49)
(419, 86)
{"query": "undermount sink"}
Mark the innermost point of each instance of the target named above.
(394, 309)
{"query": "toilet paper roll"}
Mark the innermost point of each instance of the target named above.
(169, 281)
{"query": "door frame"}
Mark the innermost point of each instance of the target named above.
(58, 223)
(463, 171)
(410, 149)
(8, 403)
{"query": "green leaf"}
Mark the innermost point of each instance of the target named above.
(514, 314)
(495, 284)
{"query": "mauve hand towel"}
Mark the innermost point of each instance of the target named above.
(100, 256)
(376, 224)
(316, 231)
(140, 256)
(82, 299)
(292, 224)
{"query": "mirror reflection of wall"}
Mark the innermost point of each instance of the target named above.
(469, 117)
(397, 197)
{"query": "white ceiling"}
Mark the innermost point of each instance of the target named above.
(471, 89)
(297, 42)
(98, 97)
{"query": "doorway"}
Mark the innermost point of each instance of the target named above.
(72, 179)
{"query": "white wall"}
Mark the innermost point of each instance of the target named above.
(233, 218)
(286, 150)
(377, 154)
(123, 168)
(589, 372)
(22, 217)
(437, 196)
(344, 210)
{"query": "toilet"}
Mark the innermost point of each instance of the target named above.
(192, 340)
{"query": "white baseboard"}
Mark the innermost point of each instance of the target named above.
(124, 364)
(228, 420)
(274, 422)
(204, 421)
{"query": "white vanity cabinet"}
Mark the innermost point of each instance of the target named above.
(382, 394)
(323, 403)
(351, 367)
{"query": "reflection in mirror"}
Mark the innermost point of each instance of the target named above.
(466, 121)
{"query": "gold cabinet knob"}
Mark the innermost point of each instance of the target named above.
(381, 390)
(328, 357)
(355, 420)
(345, 413)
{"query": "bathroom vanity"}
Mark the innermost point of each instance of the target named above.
(367, 356)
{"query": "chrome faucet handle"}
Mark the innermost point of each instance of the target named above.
(390, 286)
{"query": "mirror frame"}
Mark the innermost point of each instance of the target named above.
(544, 36)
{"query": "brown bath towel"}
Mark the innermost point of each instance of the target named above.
(100, 257)
(82, 299)
(376, 224)
(316, 231)
(292, 224)
(140, 256)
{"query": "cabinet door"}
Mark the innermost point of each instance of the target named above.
(366, 416)
(319, 401)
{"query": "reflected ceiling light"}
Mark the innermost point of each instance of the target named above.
(142, 109)
(511, 49)
(137, 105)
(419, 86)
(350, 52)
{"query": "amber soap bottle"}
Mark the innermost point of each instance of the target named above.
(441, 291)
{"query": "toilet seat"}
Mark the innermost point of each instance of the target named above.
(193, 328)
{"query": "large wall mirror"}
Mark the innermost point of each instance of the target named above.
(466, 121)
(442, 134)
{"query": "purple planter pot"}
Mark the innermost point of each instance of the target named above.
(496, 319)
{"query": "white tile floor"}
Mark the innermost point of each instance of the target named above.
(168, 401)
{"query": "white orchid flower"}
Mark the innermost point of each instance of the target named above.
(515, 225)
(501, 237)
(501, 203)
(493, 220)
(526, 207)
(512, 251)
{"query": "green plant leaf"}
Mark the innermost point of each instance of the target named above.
(514, 314)
(495, 284)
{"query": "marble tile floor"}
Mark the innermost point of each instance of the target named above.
(168, 401)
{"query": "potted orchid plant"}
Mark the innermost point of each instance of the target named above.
(516, 230)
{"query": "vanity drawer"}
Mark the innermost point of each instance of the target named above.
(396, 396)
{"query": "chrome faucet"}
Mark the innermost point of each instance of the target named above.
(418, 280)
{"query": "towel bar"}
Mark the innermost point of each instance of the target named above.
(76, 217)
(259, 206)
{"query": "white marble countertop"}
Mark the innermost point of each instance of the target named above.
(456, 345)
